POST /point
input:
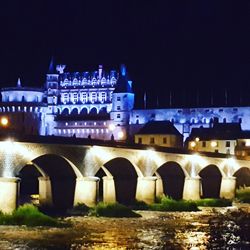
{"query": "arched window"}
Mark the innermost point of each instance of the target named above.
(65, 111)
(84, 111)
(93, 111)
(74, 111)
(103, 111)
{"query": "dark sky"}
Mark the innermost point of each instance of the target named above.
(186, 47)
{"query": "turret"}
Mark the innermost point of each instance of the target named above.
(122, 104)
(52, 82)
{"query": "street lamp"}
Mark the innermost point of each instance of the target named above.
(4, 121)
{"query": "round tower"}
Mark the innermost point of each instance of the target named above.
(122, 104)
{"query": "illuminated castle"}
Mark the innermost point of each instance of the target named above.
(97, 105)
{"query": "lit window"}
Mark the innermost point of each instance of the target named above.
(93, 97)
(103, 97)
(84, 97)
(214, 144)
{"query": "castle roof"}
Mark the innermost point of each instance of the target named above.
(159, 127)
(123, 84)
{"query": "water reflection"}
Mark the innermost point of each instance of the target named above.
(210, 229)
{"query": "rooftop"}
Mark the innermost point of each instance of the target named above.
(159, 127)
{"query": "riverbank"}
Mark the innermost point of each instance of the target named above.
(210, 227)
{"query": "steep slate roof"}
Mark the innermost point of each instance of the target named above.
(220, 131)
(123, 85)
(159, 127)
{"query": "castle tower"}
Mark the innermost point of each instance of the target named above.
(52, 93)
(52, 82)
(122, 104)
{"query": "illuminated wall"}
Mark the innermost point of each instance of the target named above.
(185, 119)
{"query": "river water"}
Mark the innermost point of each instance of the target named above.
(211, 228)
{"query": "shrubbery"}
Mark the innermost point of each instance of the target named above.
(28, 215)
(112, 210)
(212, 202)
(243, 195)
(168, 204)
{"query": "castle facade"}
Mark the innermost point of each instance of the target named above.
(98, 105)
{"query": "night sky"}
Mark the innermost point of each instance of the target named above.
(188, 48)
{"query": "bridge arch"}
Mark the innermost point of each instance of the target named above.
(242, 177)
(173, 177)
(210, 181)
(58, 171)
(124, 176)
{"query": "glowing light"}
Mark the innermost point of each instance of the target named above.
(111, 127)
(192, 144)
(196, 161)
(213, 144)
(231, 165)
(4, 121)
(247, 143)
(120, 134)
(197, 139)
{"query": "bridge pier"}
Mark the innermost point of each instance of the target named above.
(9, 193)
(86, 190)
(45, 191)
(192, 188)
(109, 195)
(146, 189)
(159, 187)
(227, 188)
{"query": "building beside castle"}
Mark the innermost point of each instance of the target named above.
(98, 105)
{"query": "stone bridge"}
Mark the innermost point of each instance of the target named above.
(66, 171)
